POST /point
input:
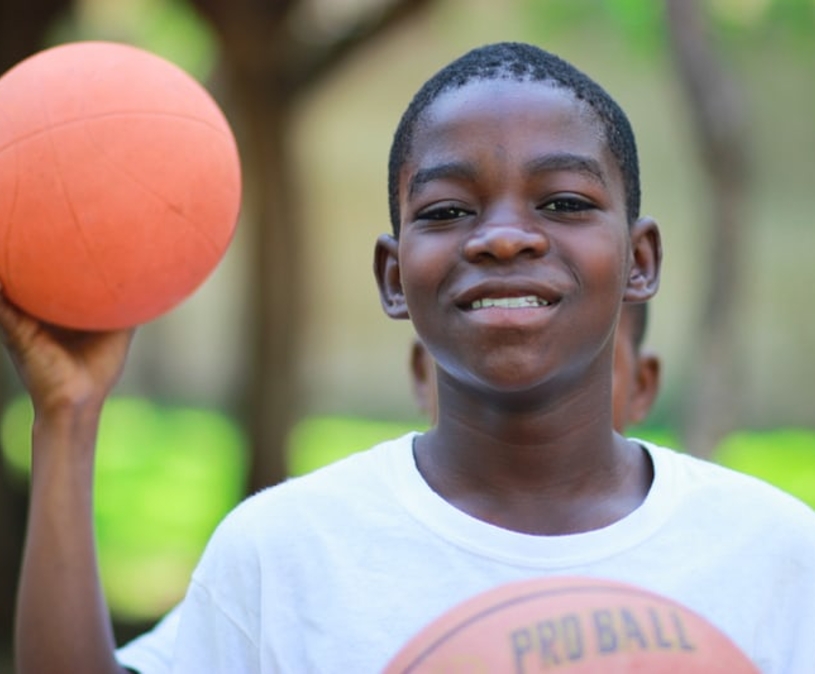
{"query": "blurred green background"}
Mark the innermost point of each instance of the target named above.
(178, 448)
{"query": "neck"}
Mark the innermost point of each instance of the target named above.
(555, 469)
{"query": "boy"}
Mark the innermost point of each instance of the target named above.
(635, 384)
(514, 197)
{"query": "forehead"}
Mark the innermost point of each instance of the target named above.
(517, 119)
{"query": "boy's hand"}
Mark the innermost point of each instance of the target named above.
(62, 368)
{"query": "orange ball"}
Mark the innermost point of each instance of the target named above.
(120, 185)
(574, 625)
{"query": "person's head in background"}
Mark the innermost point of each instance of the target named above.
(635, 382)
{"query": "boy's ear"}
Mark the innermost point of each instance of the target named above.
(646, 248)
(388, 278)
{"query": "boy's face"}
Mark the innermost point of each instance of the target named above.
(514, 253)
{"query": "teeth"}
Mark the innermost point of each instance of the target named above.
(510, 302)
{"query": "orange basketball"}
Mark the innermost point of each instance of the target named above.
(574, 625)
(120, 185)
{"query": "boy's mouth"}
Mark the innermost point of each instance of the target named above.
(523, 302)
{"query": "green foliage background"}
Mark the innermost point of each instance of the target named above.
(167, 473)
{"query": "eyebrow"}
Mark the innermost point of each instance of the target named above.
(559, 161)
(566, 161)
(450, 170)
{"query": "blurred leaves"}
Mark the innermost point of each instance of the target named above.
(318, 441)
(784, 457)
(170, 28)
(745, 21)
(642, 22)
(166, 475)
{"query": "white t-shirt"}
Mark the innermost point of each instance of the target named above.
(336, 570)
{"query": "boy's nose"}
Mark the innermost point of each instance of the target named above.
(505, 240)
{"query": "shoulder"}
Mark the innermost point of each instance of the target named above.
(152, 651)
(719, 493)
(302, 521)
(358, 482)
(703, 474)
(359, 475)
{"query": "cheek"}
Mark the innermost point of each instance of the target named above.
(422, 266)
(606, 267)
(418, 293)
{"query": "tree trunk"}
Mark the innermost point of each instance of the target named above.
(717, 113)
(274, 284)
(268, 69)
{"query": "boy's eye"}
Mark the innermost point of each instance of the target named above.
(567, 205)
(443, 213)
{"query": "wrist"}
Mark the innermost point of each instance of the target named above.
(68, 431)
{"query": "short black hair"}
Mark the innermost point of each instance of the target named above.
(519, 62)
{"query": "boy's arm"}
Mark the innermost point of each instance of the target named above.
(62, 622)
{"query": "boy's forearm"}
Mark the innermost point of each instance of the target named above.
(63, 624)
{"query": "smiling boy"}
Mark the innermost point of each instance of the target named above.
(514, 195)
(635, 385)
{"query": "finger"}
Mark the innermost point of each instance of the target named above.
(15, 326)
